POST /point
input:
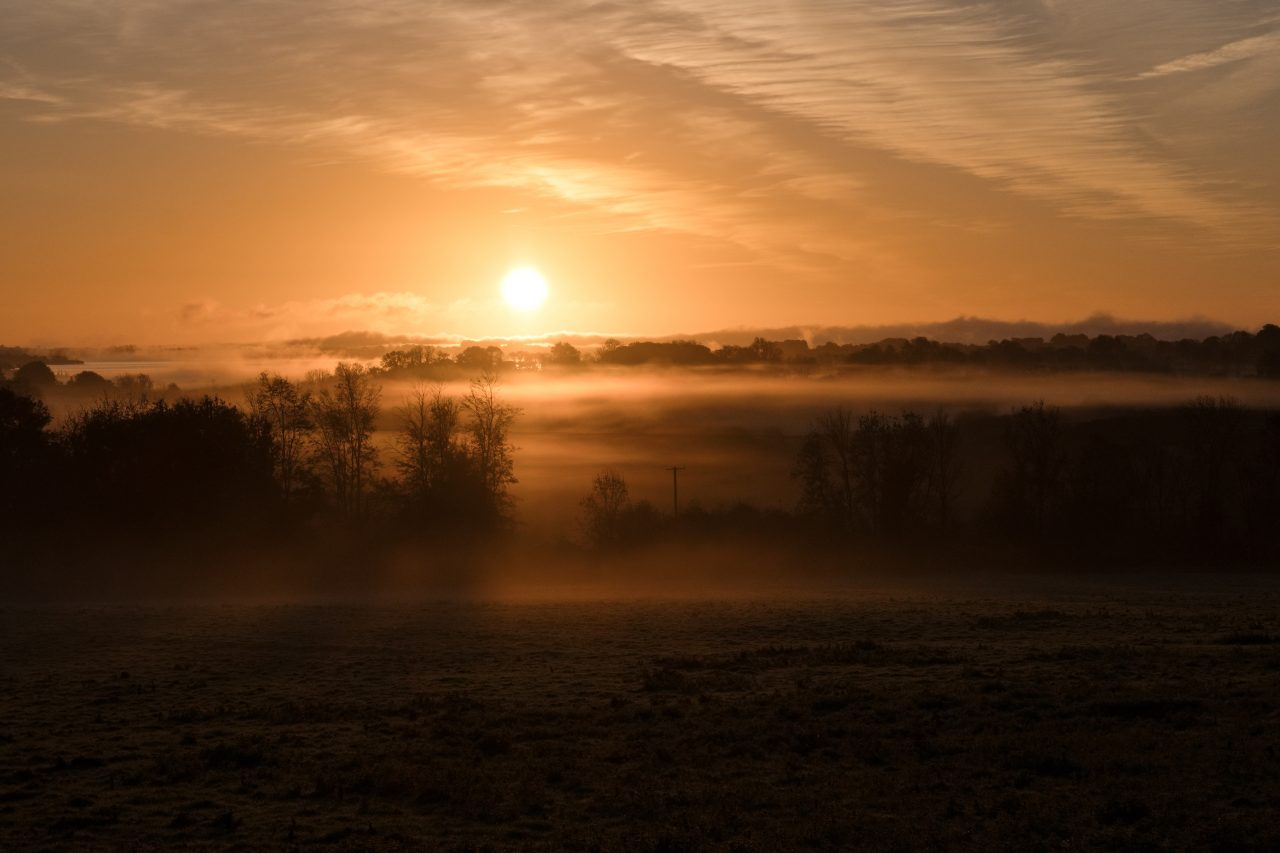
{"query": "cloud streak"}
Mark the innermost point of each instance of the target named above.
(872, 150)
(965, 86)
(1236, 51)
(380, 313)
(548, 98)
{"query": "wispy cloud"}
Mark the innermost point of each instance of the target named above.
(772, 126)
(968, 86)
(380, 317)
(380, 313)
(19, 92)
(1236, 51)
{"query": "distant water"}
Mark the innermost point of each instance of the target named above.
(197, 373)
(115, 368)
(187, 374)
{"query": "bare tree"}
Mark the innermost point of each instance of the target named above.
(873, 474)
(345, 413)
(946, 467)
(286, 411)
(430, 453)
(891, 467)
(454, 457)
(603, 509)
(489, 427)
(135, 387)
(1212, 431)
(825, 469)
(1032, 487)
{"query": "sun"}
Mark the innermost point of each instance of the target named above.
(524, 289)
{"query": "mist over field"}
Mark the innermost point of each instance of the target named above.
(736, 432)
(745, 512)
(738, 435)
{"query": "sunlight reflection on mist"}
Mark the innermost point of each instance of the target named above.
(736, 431)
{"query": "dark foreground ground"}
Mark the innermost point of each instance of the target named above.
(1022, 715)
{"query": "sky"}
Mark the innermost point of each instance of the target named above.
(192, 171)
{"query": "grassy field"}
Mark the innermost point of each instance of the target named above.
(1021, 715)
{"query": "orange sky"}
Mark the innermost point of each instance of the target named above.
(188, 172)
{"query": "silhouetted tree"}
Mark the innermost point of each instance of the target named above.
(405, 359)
(416, 359)
(344, 413)
(876, 473)
(35, 375)
(1211, 433)
(90, 382)
(647, 352)
(23, 446)
(945, 466)
(481, 358)
(428, 447)
(603, 510)
(765, 351)
(488, 427)
(22, 418)
(455, 459)
(1236, 353)
(1030, 489)
(891, 470)
(192, 465)
(439, 474)
(1268, 346)
(286, 411)
(134, 386)
(1098, 511)
(564, 354)
(825, 469)
(1262, 505)
(1107, 352)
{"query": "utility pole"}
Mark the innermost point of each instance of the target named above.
(675, 489)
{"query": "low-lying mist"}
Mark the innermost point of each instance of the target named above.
(740, 523)
(734, 433)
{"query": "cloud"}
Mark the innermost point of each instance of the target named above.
(1236, 51)
(969, 86)
(10, 91)
(202, 311)
(796, 131)
(379, 313)
(354, 344)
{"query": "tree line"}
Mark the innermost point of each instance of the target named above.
(36, 378)
(298, 462)
(1240, 353)
(1197, 485)
(297, 457)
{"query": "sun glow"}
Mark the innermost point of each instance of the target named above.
(524, 289)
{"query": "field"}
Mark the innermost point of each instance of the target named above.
(1020, 714)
